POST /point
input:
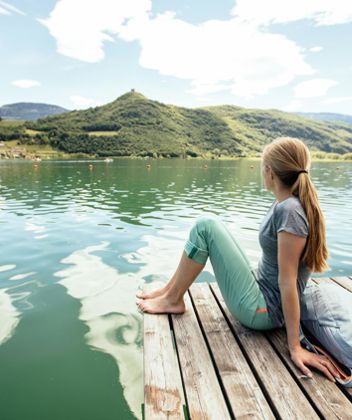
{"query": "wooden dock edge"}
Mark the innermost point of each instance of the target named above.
(204, 364)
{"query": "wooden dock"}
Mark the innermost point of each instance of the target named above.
(204, 364)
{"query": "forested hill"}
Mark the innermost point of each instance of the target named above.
(136, 125)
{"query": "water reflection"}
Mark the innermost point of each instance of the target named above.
(108, 309)
(9, 316)
(107, 299)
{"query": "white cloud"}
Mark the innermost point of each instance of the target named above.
(322, 12)
(316, 49)
(338, 100)
(4, 11)
(313, 88)
(25, 84)
(294, 105)
(81, 102)
(8, 9)
(81, 27)
(217, 55)
(212, 56)
(237, 55)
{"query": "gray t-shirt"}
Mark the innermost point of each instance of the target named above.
(289, 216)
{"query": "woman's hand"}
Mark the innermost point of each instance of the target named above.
(303, 358)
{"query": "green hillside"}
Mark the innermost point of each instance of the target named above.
(134, 125)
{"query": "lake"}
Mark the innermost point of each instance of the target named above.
(76, 243)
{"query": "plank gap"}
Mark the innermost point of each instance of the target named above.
(295, 377)
(246, 356)
(226, 397)
(185, 405)
(244, 393)
(344, 282)
(205, 398)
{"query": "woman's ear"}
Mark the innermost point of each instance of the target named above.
(269, 170)
(271, 174)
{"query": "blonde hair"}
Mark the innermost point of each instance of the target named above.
(290, 160)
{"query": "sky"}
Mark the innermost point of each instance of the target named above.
(281, 54)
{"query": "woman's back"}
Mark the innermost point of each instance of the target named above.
(287, 215)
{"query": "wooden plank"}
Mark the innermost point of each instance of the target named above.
(286, 397)
(243, 392)
(325, 395)
(344, 282)
(324, 280)
(163, 393)
(204, 396)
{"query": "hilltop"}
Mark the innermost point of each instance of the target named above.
(133, 125)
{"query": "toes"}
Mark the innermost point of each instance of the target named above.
(139, 303)
(140, 307)
(146, 307)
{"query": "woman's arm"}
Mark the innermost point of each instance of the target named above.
(291, 310)
(290, 248)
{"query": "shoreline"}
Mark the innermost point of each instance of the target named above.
(73, 156)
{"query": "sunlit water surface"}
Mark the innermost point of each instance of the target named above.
(76, 244)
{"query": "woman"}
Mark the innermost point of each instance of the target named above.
(292, 238)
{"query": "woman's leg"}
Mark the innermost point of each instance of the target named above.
(209, 237)
(170, 298)
(160, 291)
(183, 268)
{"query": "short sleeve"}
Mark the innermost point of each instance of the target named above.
(291, 219)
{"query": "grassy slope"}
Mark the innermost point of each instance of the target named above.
(259, 126)
(133, 124)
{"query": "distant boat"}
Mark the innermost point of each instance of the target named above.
(108, 160)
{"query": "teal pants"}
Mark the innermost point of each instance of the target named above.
(210, 238)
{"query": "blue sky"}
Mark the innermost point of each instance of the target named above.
(280, 54)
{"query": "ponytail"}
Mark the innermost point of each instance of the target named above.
(315, 253)
(290, 160)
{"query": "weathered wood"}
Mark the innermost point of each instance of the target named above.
(163, 393)
(325, 280)
(280, 387)
(344, 282)
(328, 399)
(243, 392)
(204, 396)
(249, 374)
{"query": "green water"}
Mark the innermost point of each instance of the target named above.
(77, 243)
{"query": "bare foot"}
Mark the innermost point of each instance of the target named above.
(154, 293)
(162, 305)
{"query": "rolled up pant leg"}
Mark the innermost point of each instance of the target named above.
(209, 237)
